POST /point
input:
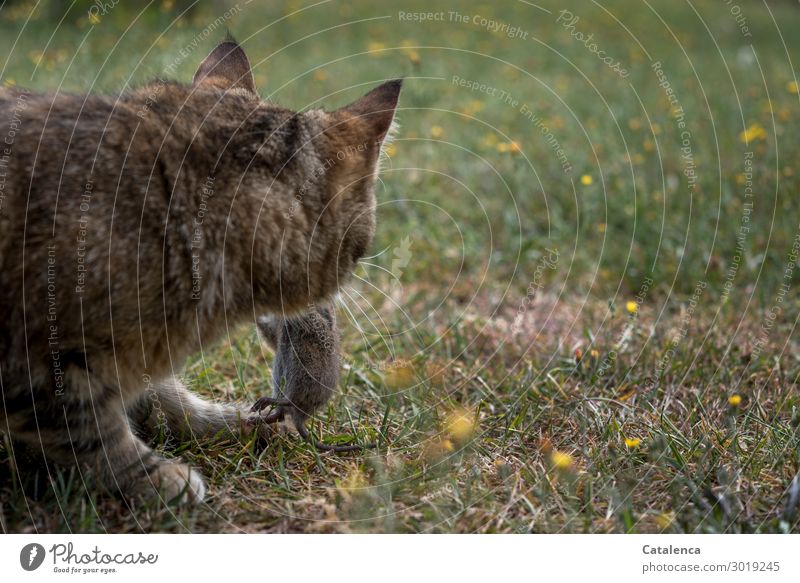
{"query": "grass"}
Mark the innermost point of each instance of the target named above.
(570, 411)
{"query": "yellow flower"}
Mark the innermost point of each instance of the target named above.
(632, 307)
(353, 484)
(632, 442)
(735, 400)
(437, 132)
(634, 123)
(9, 82)
(508, 147)
(586, 180)
(601, 228)
(414, 57)
(460, 425)
(375, 49)
(561, 460)
(665, 519)
(594, 353)
(754, 132)
(791, 87)
(390, 150)
(320, 75)
(94, 17)
(399, 375)
(36, 57)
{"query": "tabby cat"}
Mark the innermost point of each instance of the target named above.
(137, 229)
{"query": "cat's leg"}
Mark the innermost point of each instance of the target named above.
(85, 423)
(170, 409)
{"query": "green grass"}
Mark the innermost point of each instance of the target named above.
(431, 325)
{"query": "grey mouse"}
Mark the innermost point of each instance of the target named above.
(305, 371)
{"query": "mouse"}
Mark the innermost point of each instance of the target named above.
(305, 371)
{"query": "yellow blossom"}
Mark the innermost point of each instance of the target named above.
(561, 460)
(399, 375)
(375, 48)
(390, 150)
(437, 132)
(414, 57)
(735, 400)
(508, 147)
(594, 353)
(460, 425)
(320, 75)
(632, 442)
(665, 520)
(632, 307)
(94, 17)
(754, 132)
(586, 180)
(791, 87)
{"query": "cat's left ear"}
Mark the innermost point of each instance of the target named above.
(226, 67)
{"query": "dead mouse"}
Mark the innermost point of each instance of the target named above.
(305, 371)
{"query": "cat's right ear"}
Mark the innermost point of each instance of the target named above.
(362, 127)
(226, 67)
(356, 133)
(372, 115)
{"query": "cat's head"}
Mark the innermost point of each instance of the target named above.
(331, 161)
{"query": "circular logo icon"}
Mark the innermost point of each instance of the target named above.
(31, 556)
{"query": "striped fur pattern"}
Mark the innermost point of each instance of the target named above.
(135, 229)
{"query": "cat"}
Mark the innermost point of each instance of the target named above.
(139, 228)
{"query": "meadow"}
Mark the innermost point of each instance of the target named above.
(579, 311)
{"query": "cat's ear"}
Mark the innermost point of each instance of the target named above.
(354, 135)
(226, 67)
(374, 112)
(358, 131)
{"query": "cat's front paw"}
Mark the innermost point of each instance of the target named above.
(177, 483)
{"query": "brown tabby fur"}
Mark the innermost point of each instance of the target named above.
(138, 229)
